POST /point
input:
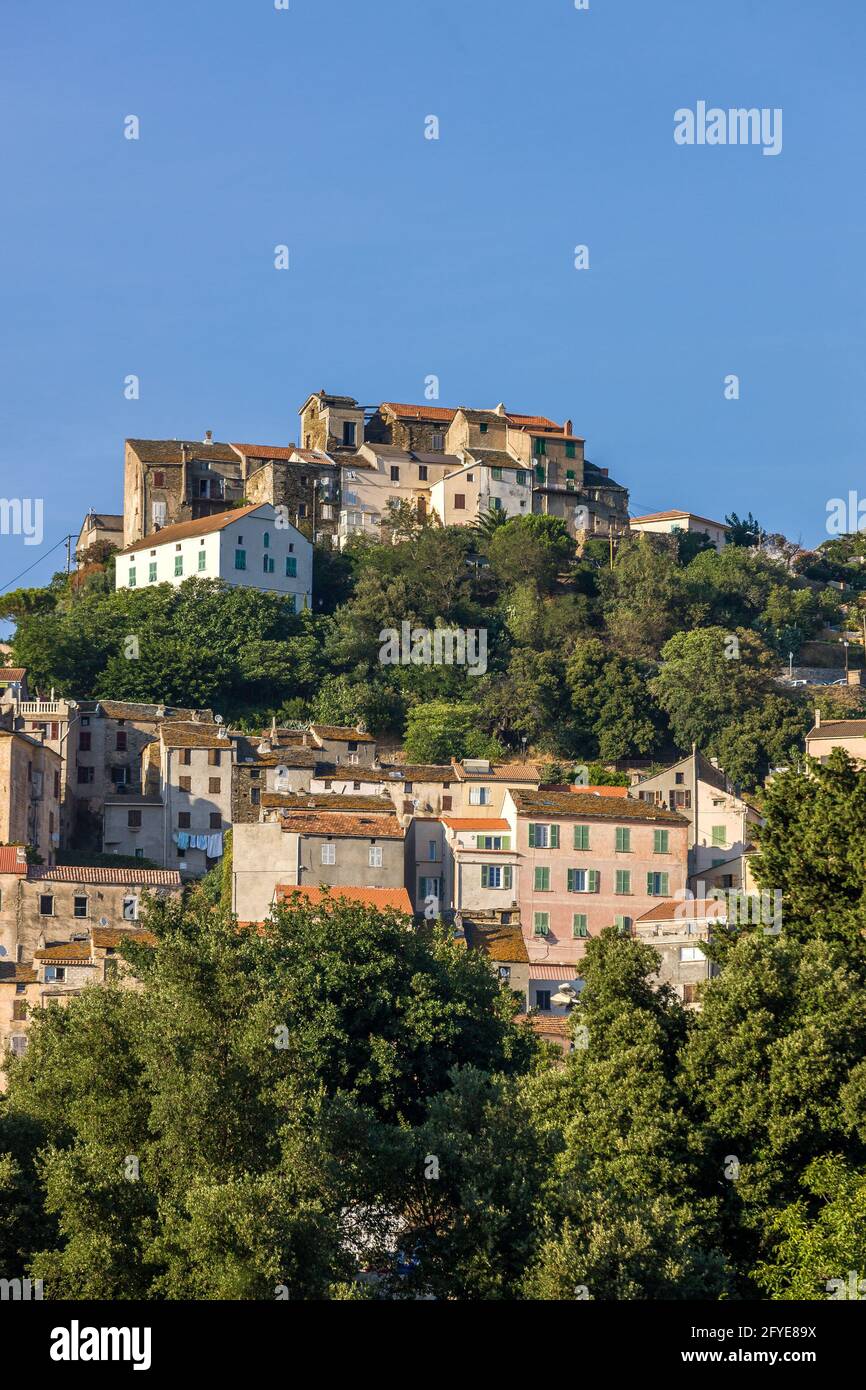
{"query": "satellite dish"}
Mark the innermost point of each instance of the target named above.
(103, 921)
(218, 719)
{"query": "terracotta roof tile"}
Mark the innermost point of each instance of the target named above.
(839, 728)
(470, 823)
(185, 530)
(178, 734)
(12, 673)
(108, 937)
(13, 859)
(73, 952)
(121, 878)
(348, 824)
(339, 732)
(499, 772)
(17, 973)
(686, 910)
(544, 804)
(336, 802)
(497, 941)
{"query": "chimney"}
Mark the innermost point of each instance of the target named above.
(817, 719)
(500, 409)
(208, 437)
(567, 428)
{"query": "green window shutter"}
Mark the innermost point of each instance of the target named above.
(240, 559)
(623, 880)
(542, 880)
(660, 841)
(152, 572)
(719, 836)
(650, 880)
(178, 564)
(581, 837)
(579, 926)
(496, 474)
(541, 920)
(291, 567)
(623, 925)
(594, 880)
(664, 885)
(570, 452)
(623, 839)
(554, 837)
(132, 579)
(202, 559)
(506, 876)
(531, 835)
(571, 873)
(485, 870)
(506, 842)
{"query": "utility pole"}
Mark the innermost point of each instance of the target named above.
(68, 556)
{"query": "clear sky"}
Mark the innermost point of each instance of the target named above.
(454, 257)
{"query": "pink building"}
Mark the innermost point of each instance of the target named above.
(586, 862)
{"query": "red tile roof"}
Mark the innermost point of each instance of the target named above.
(108, 937)
(468, 823)
(12, 673)
(687, 910)
(544, 804)
(396, 898)
(10, 863)
(74, 952)
(123, 878)
(185, 530)
(498, 772)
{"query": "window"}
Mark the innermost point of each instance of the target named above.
(579, 924)
(542, 1000)
(543, 836)
(46, 905)
(120, 776)
(178, 564)
(496, 504)
(581, 837)
(690, 994)
(623, 925)
(691, 953)
(623, 840)
(541, 923)
(432, 850)
(479, 796)
(240, 559)
(437, 440)
(213, 757)
(133, 819)
(493, 842)
(266, 540)
(79, 906)
(185, 757)
(719, 836)
(255, 796)
(680, 800)
(446, 803)
(395, 473)
(183, 820)
(158, 514)
(302, 510)
(215, 820)
(623, 881)
(55, 973)
(375, 858)
(84, 742)
(349, 428)
(495, 875)
(542, 880)
(460, 501)
(329, 854)
(583, 880)
(569, 450)
(151, 572)
(522, 477)
(132, 578)
(496, 475)
(139, 853)
(120, 741)
(291, 567)
(159, 479)
(18, 1043)
(202, 559)
(660, 841)
(130, 909)
(484, 428)
(679, 778)
(19, 1010)
(185, 783)
(267, 564)
(539, 447)
(214, 784)
(292, 603)
(657, 885)
(422, 472)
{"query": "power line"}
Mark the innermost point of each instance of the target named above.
(36, 562)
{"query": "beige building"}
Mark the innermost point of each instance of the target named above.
(307, 841)
(673, 522)
(30, 793)
(54, 723)
(481, 786)
(721, 824)
(99, 528)
(827, 734)
(676, 930)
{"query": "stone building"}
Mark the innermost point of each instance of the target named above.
(304, 481)
(676, 930)
(30, 792)
(331, 424)
(99, 528)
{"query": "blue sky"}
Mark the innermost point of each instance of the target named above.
(412, 257)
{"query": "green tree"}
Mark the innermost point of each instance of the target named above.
(439, 731)
(708, 678)
(534, 548)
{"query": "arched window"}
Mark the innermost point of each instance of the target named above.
(267, 539)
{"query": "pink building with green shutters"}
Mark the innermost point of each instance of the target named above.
(586, 861)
